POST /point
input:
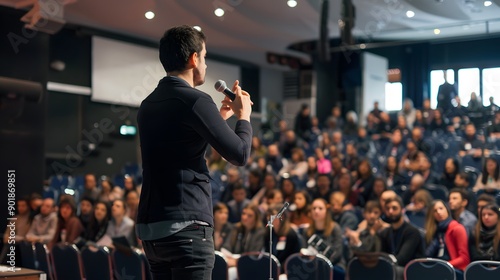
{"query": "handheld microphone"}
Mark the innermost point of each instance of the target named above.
(220, 86)
(283, 209)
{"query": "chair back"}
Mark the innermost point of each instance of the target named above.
(128, 264)
(255, 265)
(370, 265)
(147, 268)
(97, 263)
(27, 255)
(43, 259)
(67, 262)
(220, 267)
(298, 266)
(429, 268)
(484, 270)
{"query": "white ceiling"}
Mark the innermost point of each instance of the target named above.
(250, 28)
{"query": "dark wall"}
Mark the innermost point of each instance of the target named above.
(24, 54)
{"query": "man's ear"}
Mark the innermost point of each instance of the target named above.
(193, 60)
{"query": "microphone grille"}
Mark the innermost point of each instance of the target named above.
(220, 85)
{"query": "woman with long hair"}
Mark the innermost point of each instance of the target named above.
(247, 235)
(445, 238)
(299, 217)
(484, 243)
(451, 169)
(391, 173)
(98, 223)
(222, 228)
(69, 226)
(489, 179)
(328, 231)
(285, 239)
(364, 182)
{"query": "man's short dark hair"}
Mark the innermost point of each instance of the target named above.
(486, 197)
(177, 44)
(462, 193)
(396, 199)
(371, 205)
(464, 176)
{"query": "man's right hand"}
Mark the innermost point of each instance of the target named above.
(242, 105)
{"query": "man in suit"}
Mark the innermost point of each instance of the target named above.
(446, 93)
(176, 123)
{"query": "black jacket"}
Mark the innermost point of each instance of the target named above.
(176, 122)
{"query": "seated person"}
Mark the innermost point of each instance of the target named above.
(246, 236)
(98, 224)
(299, 216)
(239, 201)
(471, 144)
(120, 224)
(401, 239)
(44, 225)
(445, 238)
(324, 235)
(367, 240)
(458, 200)
(222, 228)
(69, 227)
(345, 218)
(489, 179)
(417, 209)
(484, 242)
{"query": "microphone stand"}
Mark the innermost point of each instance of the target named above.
(271, 226)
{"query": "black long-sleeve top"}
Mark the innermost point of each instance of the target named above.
(405, 243)
(176, 123)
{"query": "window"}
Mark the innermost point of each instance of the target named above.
(393, 96)
(437, 79)
(468, 82)
(491, 85)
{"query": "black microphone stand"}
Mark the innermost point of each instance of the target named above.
(271, 226)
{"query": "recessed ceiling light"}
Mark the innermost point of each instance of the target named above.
(219, 12)
(291, 3)
(149, 15)
(197, 27)
(437, 31)
(410, 14)
(487, 3)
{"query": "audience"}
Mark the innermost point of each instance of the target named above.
(355, 168)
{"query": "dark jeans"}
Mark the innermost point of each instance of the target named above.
(188, 254)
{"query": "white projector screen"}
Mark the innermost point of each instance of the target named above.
(125, 74)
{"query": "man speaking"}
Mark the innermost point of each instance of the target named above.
(176, 122)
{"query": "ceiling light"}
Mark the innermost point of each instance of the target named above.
(197, 27)
(291, 3)
(410, 14)
(487, 3)
(219, 12)
(437, 31)
(149, 15)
